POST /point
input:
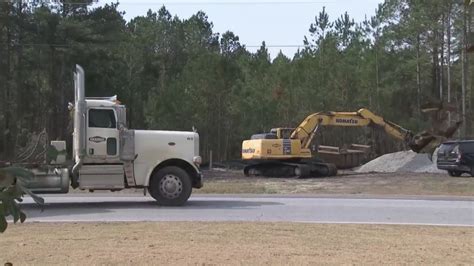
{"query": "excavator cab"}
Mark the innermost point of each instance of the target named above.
(282, 132)
(275, 133)
(264, 136)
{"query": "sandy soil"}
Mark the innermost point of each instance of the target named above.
(346, 182)
(199, 243)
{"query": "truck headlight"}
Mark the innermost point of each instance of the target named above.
(197, 160)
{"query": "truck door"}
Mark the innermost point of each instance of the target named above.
(102, 136)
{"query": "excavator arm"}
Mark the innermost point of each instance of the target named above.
(306, 131)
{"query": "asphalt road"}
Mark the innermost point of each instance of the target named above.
(255, 208)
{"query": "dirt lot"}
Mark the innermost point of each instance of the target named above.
(234, 243)
(345, 183)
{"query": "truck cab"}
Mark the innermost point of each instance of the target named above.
(109, 156)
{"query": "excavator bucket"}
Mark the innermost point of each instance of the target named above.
(425, 142)
(441, 130)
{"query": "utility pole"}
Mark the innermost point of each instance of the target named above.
(448, 59)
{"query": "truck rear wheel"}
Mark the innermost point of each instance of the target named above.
(170, 186)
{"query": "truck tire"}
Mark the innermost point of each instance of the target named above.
(170, 186)
(454, 173)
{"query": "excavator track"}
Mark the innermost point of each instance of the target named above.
(302, 169)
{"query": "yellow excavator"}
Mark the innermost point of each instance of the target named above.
(286, 151)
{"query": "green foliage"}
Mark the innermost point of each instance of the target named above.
(176, 73)
(12, 189)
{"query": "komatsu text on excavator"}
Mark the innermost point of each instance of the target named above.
(286, 151)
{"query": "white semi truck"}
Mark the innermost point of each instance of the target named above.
(108, 156)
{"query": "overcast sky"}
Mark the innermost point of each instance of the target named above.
(277, 22)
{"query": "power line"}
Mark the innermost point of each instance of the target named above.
(40, 44)
(280, 45)
(187, 3)
(231, 3)
(58, 45)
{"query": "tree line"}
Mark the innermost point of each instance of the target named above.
(176, 73)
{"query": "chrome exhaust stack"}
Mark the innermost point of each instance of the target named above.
(79, 143)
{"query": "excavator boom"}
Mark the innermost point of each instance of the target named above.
(362, 118)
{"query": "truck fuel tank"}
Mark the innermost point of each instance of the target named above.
(49, 181)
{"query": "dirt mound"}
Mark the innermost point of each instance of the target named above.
(403, 161)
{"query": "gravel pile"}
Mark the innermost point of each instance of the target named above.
(403, 162)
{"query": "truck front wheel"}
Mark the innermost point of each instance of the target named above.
(170, 186)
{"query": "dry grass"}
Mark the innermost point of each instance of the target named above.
(347, 183)
(213, 243)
